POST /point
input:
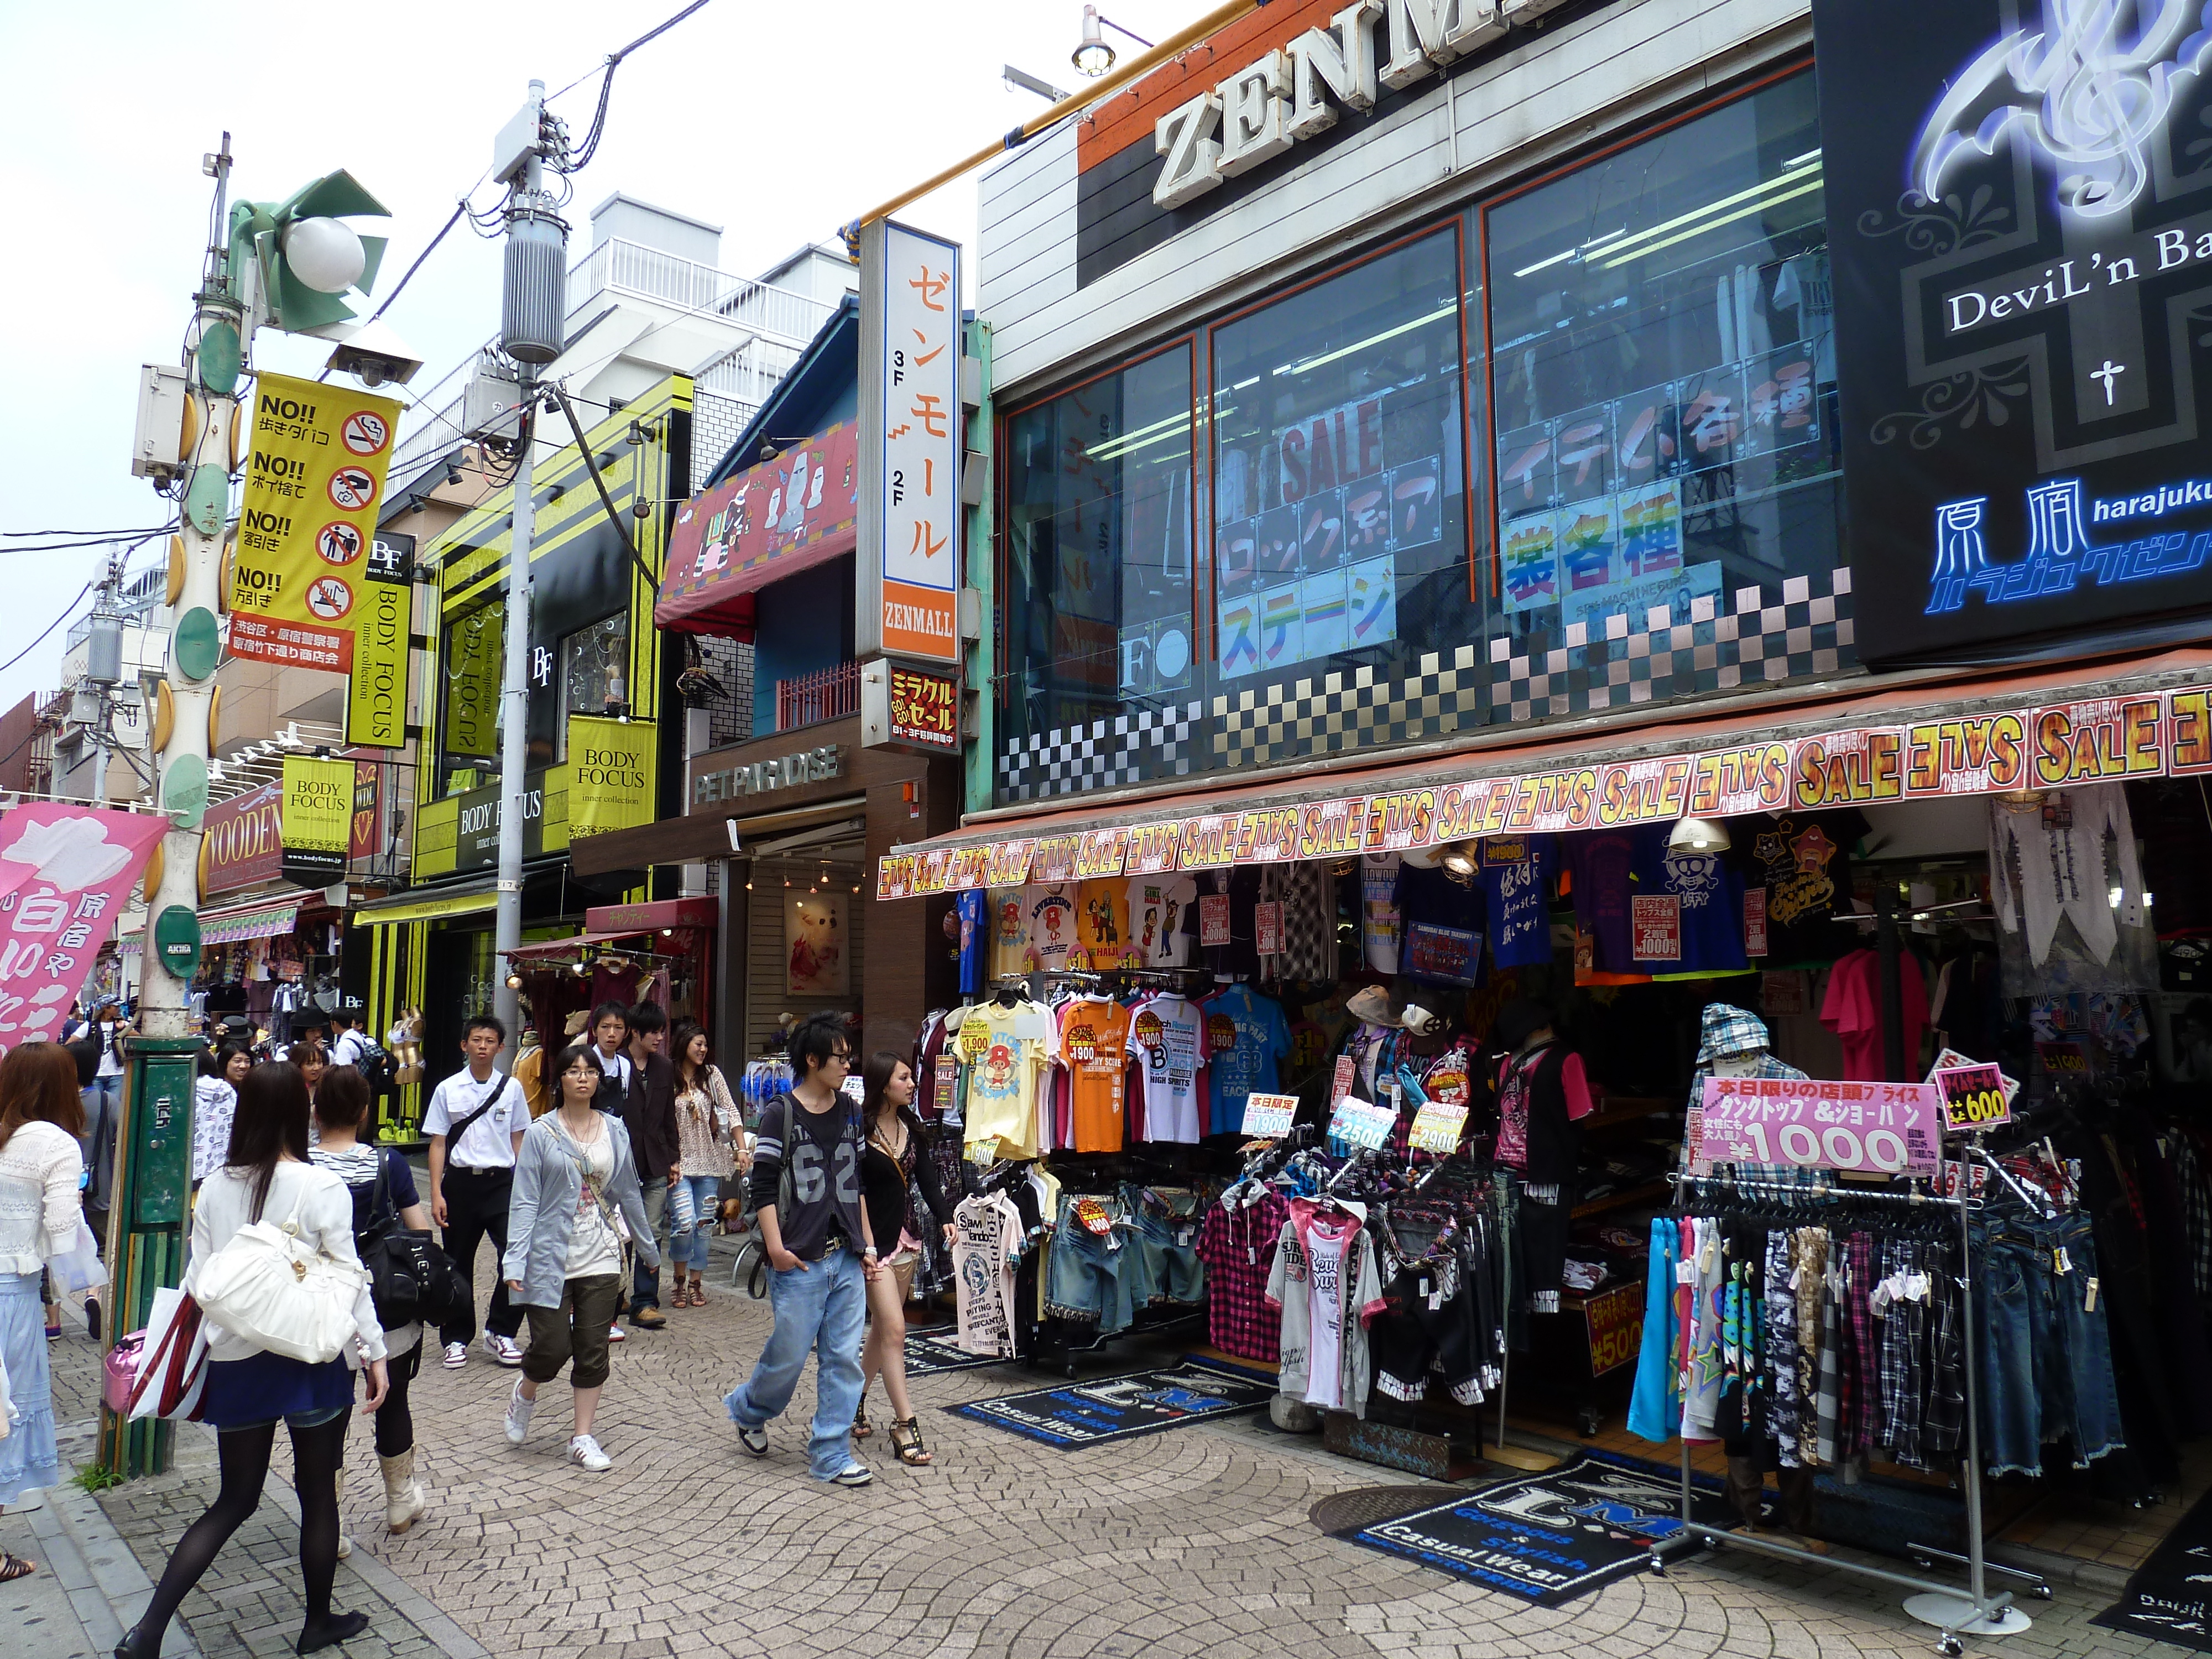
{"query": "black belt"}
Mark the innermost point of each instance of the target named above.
(473, 1169)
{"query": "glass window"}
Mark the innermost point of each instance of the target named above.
(1339, 533)
(469, 722)
(1663, 381)
(1098, 614)
(593, 678)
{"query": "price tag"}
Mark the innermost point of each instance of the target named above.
(1615, 1319)
(1950, 1058)
(1363, 1123)
(1214, 920)
(1754, 921)
(1267, 1117)
(1437, 1128)
(1974, 1097)
(948, 1078)
(1268, 927)
(2063, 1058)
(1340, 1084)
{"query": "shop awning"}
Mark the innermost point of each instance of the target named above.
(770, 521)
(557, 949)
(235, 924)
(470, 900)
(1926, 736)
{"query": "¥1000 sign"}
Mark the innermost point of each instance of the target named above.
(1874, 1128)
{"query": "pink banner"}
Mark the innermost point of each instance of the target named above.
(1877, 1128)
(65, 874)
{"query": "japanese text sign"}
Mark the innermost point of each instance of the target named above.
(1437, 1128)
(1878, 1128)
(911, 443)
(307, 518)
(65, 874)
(1362, 1123)
(1615, 1318)
(1974, 1097)
(925, 708)
(1268, 1116)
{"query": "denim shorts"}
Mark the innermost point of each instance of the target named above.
(1167, 1234)
(1087, 1274)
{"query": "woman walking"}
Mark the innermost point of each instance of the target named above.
(576, 1203)
(313, 1062)
(41, 1115)
(340, 1107)
(249, 1389)
(898, 1156)
(710, 1141)
(215, 1100)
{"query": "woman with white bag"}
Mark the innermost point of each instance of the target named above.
(273, 1267)
(41, 1115)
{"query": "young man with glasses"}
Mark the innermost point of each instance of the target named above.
(806, 1188)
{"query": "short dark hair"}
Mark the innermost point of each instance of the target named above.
(815, 1039)
(491, 1023)
(342, 1099)
(647, 1017)
(344, 1017)
(299, 1053)
(619, 1010)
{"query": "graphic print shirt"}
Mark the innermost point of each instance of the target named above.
(1516, 880)
(1052, 923)
(1094, 1046)
(1161, 920)
(1170, 1035)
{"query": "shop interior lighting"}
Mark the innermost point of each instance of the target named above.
(1459, 858)
(1450, 309)
(1573, 253)
(1692, 835)
(1123, 443)
(1614, 248)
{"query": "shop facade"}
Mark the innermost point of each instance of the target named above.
(1475, 522)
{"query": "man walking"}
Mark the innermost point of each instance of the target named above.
(617, 1074)
(806, 1188)
(348, 1045)
(651, 1120)
(475, 1123)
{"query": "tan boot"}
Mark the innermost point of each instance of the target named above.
(345, 1544)
(403, 1501)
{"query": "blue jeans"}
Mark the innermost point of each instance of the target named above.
(819, 1306)
(103, 1102)
(2045, 1355)
(1166, 1236)
(646, 1281)
(691, 1212)
(1088, 1274)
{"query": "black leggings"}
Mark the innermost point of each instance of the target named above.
(243, 1455)
(395, 1423)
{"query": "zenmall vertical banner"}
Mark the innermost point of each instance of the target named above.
(910, 445)
(65, 878)
(318, 819)
(610, 774)
(307, 519)
(2018, 199)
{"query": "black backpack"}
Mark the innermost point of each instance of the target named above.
(374, 1064)
(409, 1277)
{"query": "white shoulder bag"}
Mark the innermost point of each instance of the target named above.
(268, 1287)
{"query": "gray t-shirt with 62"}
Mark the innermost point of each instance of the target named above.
(825, 1176)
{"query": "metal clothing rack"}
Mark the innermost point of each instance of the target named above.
(1979, 1611)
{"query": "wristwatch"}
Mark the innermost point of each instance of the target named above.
(868, 1254)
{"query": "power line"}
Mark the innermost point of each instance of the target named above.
(135, 530)
(47, 629)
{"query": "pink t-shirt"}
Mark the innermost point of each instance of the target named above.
(1852, 1010)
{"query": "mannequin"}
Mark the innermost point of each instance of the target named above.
(1541, 1092)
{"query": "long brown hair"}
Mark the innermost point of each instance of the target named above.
(38, 1084)
(883, 1066)
(271, 1120)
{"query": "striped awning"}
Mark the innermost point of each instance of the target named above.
(235, 927)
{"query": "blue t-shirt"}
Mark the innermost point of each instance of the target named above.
(1516, 881)
(1701, 895)
(1254, 1060)
(974, 912)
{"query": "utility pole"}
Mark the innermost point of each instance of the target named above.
(103, 672)
(533, 301)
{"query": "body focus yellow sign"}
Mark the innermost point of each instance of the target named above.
(306, 521)
(316, 819)
(610, 774)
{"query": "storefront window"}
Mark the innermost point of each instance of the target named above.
(1662, 377)
(1339, 535)
(469, 721)
(592, 676)
(1098, 614)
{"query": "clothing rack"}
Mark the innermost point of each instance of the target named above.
(1977, 1612)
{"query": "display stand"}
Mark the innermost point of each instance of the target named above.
(1978, 1611)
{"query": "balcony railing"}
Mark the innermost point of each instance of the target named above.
(673, 280)
(827, 694)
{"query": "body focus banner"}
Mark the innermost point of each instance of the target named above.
(307, 520)
(65, 875)
(610, 774)
(317, 819)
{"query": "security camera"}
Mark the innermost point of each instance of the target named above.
(372, 353)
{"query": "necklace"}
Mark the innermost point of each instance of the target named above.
(582, 1138)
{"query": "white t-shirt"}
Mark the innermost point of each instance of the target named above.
(1169, 1034)
(347, 1050)
(594, 1246)
(109, 1065)
(984, 1231)
(1052, 922)
(489, 1142)
(1325, 1249)
(1378, 911)
(1157, 907)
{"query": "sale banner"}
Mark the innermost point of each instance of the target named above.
(307, 522)
(1974, 1097)
(1875, 1128)
(65, 874)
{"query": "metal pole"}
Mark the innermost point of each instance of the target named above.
(514, 735)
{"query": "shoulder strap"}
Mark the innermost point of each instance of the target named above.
(454, 1134)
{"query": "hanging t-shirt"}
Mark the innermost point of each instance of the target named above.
(1094, 1046)
(1102, 923)
(1440, 926)
(973, 911)
(1517, 873)
(1052, 923)
(986, 1232)
(1239, 891)
(1603, 865)
(1378, 911)
(1162, 920)
(1852, 1010)
(1259, 1041)
(1010, 931)
(1169, 1032)
(1804, 861)
(1006, 1051)
(1327, 1240)
(1697, 900)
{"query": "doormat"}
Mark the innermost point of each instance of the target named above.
(930, 1352)
(2169, 1597)
(1121, 1407)
(1552, 1537)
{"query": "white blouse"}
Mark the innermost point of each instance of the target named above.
(325, 1209)
(40, 1171)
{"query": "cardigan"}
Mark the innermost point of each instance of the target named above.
(541, 1212)
(40, 1171)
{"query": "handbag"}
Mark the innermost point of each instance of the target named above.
(268, 1287)
(79, 1267)
(168, 1360)
(410, 1278)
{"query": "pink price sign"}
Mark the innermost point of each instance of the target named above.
(1875, 1128)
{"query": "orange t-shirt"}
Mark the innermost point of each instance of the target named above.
(1094, 1046)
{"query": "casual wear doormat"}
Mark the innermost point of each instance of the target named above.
(1121, 1407)
(2169, 1598)
(930, 1352)
(1549, 1538)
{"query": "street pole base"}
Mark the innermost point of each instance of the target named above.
(1956, 1613)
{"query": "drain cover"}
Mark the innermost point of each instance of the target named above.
(1344, 1512)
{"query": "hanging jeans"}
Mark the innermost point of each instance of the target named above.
(2046, 1363)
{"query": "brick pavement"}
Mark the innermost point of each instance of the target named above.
(1192, 1543)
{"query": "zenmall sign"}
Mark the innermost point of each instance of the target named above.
(1291, 93)
(242, 841)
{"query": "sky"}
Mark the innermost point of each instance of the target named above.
(778, 121)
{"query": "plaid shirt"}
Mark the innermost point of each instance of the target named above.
(1862, 1373)
(1237, 1245)
(1783, 1175)
(1945, 1430)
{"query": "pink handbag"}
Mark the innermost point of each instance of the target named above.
(120, 1371)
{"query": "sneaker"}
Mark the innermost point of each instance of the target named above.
(503, 1349)
(518, 1409)
(753, 1440)
(852, 1474)
(584, 1452)
(457, 1355)
(615, 1333)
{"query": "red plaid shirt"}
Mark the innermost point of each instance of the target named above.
(1237, 1245)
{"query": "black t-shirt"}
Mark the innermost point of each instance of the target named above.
(1804, 861)
(826, 1184)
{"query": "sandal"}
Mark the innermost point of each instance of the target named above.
(698, 1294)
(15, 1566)
(906, 1443)
(861, 1427)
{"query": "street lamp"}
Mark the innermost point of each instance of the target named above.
(1093, 57)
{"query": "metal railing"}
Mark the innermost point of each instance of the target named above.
(826, 694)
(690, 285)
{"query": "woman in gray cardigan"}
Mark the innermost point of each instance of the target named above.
(576, 1210)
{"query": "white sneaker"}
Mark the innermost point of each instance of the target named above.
(457, 1355)
(519, 1408)
(615, 1333)
(503, 1349)
(584, 1452)
(852, 1474)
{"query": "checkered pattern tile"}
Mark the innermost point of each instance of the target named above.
(1122, 749)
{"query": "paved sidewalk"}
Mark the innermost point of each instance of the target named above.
(1193, 1542)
